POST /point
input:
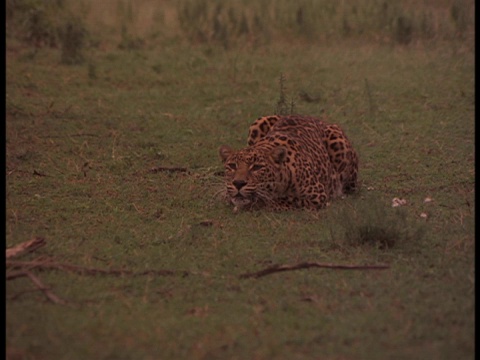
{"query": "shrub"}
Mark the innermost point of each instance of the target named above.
(372, 223)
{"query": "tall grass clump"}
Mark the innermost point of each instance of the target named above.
(48, 24)
(255, 23)
(33, 21)
(317, 21)
(73, 36)
(125, 14)
(283, 105)
(220, 22)
(372, 223)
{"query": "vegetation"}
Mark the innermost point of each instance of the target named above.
(115, 111)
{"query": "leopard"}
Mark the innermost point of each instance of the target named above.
(290, 162)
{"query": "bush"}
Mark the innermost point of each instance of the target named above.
(372, 223)
(73, 37)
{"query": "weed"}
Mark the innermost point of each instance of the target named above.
(231, 24)
(38, 21)
(129, 42)
(459, 16)
(370, 222)
(283, 106)
(92, 71)
(371, 105)
(403, 30)
(387, 22)
(73, 36)
(221, 23)
(126, 15)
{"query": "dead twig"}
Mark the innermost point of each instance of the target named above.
(167, 169)
(14, 264)
(15, 274)
(306, 265)
(39, 285)
(27, 246)
(307, 98)
(21, 293)
(17, 269)
(37, 173)
(68, 135)
(49, 294)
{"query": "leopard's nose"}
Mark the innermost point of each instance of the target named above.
(239, 183)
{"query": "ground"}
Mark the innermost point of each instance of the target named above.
(88, 148)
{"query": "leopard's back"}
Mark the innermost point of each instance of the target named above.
(340, 150)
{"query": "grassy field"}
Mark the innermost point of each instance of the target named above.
(96, 111)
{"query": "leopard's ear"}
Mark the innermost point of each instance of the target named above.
(279, 154)
(225, 151)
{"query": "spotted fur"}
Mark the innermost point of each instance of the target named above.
(290, 162)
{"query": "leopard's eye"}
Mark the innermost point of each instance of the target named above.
(231, 166)
(256, 167)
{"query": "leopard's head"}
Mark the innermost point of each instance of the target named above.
(253, 175)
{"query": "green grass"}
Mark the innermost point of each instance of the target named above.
(96, 129)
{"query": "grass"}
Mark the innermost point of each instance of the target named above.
(81, 141)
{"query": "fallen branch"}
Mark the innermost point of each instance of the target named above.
(27, 246)
(37, 173)
(306, 265)
(15, 274)
(17, 268)
(69, 135)
(49, 294)
(39, 285)
(168, 169)
(21, 293)
(15, 264)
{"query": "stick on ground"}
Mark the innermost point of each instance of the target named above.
(168, 169)
(39, 285)
(306, 265)
(27, 246)
(15, 264)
